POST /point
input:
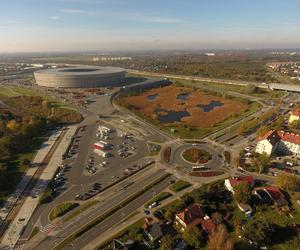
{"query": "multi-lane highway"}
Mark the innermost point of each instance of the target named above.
(113, 198)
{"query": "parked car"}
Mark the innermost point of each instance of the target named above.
(154, 204)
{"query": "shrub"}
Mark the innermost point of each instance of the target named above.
(167, 154)
(179, 185)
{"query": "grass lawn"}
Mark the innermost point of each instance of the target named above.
(179, 185)
(8, 92)
(62, 209)
(82, 208)
(221, 87)
(34, 232)
(153, 148)
(171, 204)
(196, 155)
(158, 198)
(12, 91)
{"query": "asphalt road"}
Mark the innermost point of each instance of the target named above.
(119, 215)
(117, 195)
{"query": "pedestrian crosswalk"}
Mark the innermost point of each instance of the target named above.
(46, 229)
(19, 247)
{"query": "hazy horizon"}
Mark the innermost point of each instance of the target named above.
(132, 25)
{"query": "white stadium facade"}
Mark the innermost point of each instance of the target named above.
(80, 77)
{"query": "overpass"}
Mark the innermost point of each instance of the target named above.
(285, 87)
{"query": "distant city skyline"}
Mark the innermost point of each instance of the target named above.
(85, 25)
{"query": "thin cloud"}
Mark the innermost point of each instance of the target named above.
(156, 19)
(55, 17)
(77, 11)
(128, 16)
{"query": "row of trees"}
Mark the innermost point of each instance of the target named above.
(23, 121)
(246, 126)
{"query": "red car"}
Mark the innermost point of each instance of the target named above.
(287, 170)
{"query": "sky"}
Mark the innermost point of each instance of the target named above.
(120, 25)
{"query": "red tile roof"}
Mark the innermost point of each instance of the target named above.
(208, 225)
(237, 180)
(192, 214)
(296, 112)
(274, 136)
(289, 137)
(274, 192)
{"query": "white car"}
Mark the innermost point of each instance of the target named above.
(154, 204)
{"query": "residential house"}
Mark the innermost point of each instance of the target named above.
(245, 208)
(268, 143)
(194, 215)
(294, 115)
(119, 245)
(232, 182)
(278, 142)
(274, 194)
(155, 231)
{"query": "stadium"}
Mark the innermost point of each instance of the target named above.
(80, 77)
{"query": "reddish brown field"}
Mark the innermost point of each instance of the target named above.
(166, 99)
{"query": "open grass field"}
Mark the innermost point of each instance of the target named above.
(189, 107)
(21, 101)
(13, 91)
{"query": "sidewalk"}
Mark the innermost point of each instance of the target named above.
(14, 231)
(39, 157)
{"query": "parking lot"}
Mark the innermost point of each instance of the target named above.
(93, 170)
(121, 150)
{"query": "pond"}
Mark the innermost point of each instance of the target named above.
(209, 107)
(183, 96)
(152, 97)
(169, 116)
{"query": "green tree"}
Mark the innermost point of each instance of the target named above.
(219, 239)
(257, 230)
(166, 243)
(135, 233)
(242, 193)
(243, 128)
(193, 237)
(262, 130)
(252, 89)
(279, 124)
(187, 199)
(295, 125)
(25, 162)
(13, 126)
(169, 216)
(263, 161)
(288, 182)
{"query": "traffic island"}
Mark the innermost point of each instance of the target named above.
(196, 156)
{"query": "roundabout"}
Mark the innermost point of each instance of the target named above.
(186, 157)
